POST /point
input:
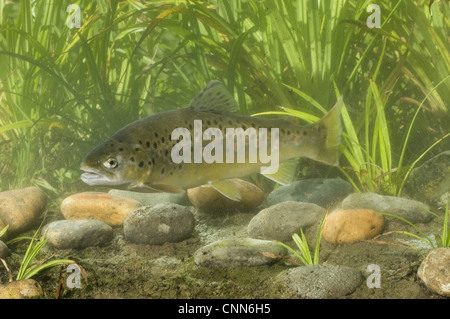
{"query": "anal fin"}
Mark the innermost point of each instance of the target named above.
(285, 174)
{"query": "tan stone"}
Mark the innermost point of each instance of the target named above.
(207, 198)
(352, 225)
(21, 289)
(108, 208)
(20, 208)
(435, 271)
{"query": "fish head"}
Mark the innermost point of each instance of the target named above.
(108, 165)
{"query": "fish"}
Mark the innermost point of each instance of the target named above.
(143, 155)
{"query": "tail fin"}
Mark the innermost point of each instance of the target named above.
(329, 151)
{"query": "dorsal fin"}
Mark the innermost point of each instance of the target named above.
(214, 98)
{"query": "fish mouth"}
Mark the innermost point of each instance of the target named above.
(95, 178)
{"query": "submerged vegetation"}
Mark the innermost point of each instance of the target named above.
(440, 240)
(64, 90)
(302, 244)
(27, 269)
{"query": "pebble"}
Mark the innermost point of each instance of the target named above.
(402, 207)
(156, 225)
(21, 289)
(151, 199)
(320, 191)
(21, 208)
(352, 225)
(238, 252)
(77, 234)
(4, 251)
(208, 199)
(322, 281)
(281, 221)
(107, 208)
(435, 271)
(431, 180)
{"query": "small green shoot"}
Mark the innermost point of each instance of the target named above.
(302, 244)
(27, 270)
(3, 231)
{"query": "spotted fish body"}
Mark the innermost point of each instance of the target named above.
(139, 155)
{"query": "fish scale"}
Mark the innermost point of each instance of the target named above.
(139, 155)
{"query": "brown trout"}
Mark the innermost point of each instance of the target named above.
(175, 150)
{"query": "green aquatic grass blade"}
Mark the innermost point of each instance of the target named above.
(349, 178)
(3, 230)
(309, 118)
(431, 31)
(318, 239)
(302, 245)
(445, 239)
(15, 126)
(423, 237)
(351, 148)
(236, 51)
(405, 143)
(381, 138)
(293, 251)
(277, 12)
(29, 256)
(54, 73)
(419, 159)
(367, 123)
(43, 122)
(34, 270)
(307, 97)
(382, 131)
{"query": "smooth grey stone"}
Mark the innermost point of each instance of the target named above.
(77, 233)
(238, 252)
(320, 191)
(408, 209)
(281, 221)
(156, 225)
(322, 281)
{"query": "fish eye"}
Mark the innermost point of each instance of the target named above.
(111, 163)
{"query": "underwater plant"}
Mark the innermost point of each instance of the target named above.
(305, 256)
(64, 90)
(441, 240)
(28, 270)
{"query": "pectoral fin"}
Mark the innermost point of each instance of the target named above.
(227, 188)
